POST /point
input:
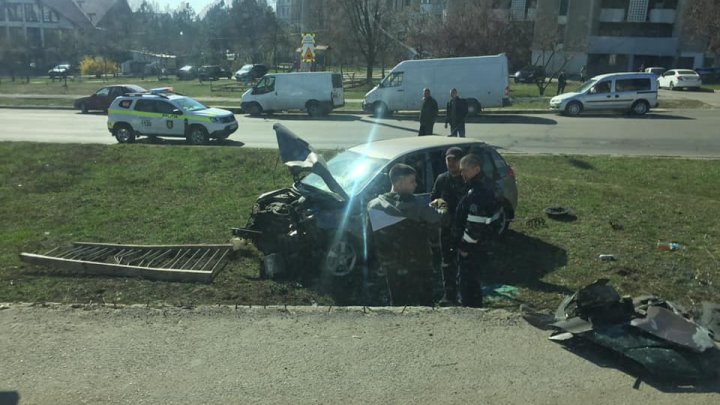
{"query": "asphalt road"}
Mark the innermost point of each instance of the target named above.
(691, 133)
(307, 355)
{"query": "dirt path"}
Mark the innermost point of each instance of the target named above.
(64, 355)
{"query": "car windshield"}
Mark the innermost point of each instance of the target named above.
(685, 72)
(586, 86)
(189, 104)
(246, 68)
(351, 170)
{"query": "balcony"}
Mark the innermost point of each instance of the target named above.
(661, 46)
(662, 15)
(612, 15)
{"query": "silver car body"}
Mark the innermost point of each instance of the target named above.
(632, 91)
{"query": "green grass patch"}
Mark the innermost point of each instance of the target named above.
(36, 102)
(52, 195)
(531, 89)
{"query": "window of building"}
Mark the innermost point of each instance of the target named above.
(501, 4)
(563, 7)
(31, 13)
(14, 12)
(2, 13)
(635, 30)
(637, 11)
(614, 4)
(50, 15)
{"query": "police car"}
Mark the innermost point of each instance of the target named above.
(163, 113)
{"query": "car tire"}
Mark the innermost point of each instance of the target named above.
(197, 135)
(254, 109)
(640, 107)
(380, 109)
(124, 133)
(342, 258)
(83, 108)
(574, 108)
(474, 108)
(313, 108)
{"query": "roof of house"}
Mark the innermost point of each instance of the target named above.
(85, 13)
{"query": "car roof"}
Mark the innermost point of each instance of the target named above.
(393, 148)
(624, 74)
(162, 96)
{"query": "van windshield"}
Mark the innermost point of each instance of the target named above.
(586, 86)
(352, 170)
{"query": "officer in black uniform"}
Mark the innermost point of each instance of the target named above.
(448, 190)
(402, 225)
(472, 230)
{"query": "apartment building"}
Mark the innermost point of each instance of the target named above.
(42, 23)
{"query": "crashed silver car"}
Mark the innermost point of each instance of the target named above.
(318, 226)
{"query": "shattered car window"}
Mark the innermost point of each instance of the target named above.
(351, 170)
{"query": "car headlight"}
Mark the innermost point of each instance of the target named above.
(215, 119)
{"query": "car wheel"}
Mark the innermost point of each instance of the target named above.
(380, 109)
(313, 108)
(197, 135)
(573, 108)
(83, 108)
(254, 109)
(474, 108)
(640, 107)
(124, 133)
(341, 259)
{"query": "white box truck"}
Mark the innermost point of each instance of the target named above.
(318, 93)
(481, 80)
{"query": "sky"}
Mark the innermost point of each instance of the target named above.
(197, 5)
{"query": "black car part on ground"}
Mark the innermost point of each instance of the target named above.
(654, 333)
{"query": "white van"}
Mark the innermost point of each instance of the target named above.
(481, 80)
(633, 92)
(318, 93)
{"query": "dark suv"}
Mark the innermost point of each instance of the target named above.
(317, 226)
(212, 72)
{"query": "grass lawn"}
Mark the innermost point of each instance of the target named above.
(52, 195)
(531, 89)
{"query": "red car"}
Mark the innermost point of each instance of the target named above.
(102, 98)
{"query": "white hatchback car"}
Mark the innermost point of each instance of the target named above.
(680, 78)
(633, 92)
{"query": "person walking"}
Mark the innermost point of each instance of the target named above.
(402, 225)
(472, 230)
(448, 190)
(428, 113)
(562, 81)
(456, 112)
(583, 74)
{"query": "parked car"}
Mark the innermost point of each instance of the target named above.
(656, 70)
(680, 78)
(212, 72)
(709, 74)
(250, 72)
(530, 74)
(160, 113)
(187, 72)
(101, 99)
(317, 226)
(633, 92)
(318, 93)
(59, 71)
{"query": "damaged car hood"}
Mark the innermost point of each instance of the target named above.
(300, 157)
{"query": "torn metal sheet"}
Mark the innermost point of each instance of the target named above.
(671, 327)
(497, 292)
(574, 325)
(197, 263)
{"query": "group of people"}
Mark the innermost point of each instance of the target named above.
(457, 110)
(461, 212)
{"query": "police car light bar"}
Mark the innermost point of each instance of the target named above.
(161, 90)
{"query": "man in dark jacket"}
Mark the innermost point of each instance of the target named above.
(428, 113)
(448, 190)
(456, 112)
(472, 230)
(562, 81)
(401, 225)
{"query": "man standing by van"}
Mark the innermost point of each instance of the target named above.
(562, 81)
(456, 112)
(428, 113)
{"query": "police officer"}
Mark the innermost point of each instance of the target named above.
(401, 225)
(448, 190)
(472, 230)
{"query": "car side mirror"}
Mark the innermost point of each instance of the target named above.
(177, 111)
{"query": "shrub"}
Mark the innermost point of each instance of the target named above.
(97, 65)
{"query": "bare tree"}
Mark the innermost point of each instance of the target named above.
(366, 18)
(703, 19)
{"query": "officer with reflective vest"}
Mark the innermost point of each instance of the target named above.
(472, 229)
